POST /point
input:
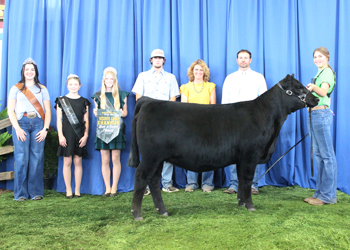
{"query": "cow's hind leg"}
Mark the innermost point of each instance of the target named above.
(156, 193)
(141, 181)
(245, 174)
(240, 186)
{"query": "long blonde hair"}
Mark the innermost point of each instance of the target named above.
(115, 91)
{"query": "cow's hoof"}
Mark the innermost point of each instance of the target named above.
(165, 214)
(251, 209)
(241, 203)
(138, 218)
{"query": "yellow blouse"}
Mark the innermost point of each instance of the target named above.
(193, 97)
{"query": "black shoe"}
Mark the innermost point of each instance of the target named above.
(106, 195)
(69, 197)
(77, 196)
(113, 194)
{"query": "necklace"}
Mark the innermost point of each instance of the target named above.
(194, 86)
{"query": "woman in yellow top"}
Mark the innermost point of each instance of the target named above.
(199, 90)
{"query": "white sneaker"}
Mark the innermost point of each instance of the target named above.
(170, 189)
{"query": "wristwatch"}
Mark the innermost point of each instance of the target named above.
(47, 129)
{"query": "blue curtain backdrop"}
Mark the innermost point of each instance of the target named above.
(85, 36)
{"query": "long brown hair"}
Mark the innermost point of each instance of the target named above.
(324, 51)
(36, 77)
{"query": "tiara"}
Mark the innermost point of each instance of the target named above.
(29, 60)
(111, 69)
(72, 76)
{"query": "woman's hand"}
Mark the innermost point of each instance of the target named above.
(21, 135)
(41, 135)
(82, 141)
(122, 115)
(310, 87)
(319, 91)
(62, 141)
(95, 112)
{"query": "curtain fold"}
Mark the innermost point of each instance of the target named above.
(86, 36)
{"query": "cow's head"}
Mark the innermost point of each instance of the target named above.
(302, 96)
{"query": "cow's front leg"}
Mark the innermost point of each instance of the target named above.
(245, 180)
(139, 190)
(156, 193)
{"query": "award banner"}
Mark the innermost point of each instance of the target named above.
(108, 124)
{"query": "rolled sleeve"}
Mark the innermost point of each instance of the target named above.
(138, 86)
(174, 87)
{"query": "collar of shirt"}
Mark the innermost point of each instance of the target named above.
(153, 71)
(243, 73)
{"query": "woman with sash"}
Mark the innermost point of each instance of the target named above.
(320, 126)
(110, 96)
(30, 114)
(73, 132)
(199, 90)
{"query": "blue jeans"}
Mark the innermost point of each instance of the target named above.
(234, 178)
(326, 179)
(207, 180)
(29, 160)
(167, 174)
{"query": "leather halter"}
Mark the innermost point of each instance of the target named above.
(301, 97)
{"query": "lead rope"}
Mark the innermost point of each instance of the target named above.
(312, 149)
(281, 158)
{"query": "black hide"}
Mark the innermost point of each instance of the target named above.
(201, 138)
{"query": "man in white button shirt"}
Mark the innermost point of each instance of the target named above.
(158, 84)
(242, 85)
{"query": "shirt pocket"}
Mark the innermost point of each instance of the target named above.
(148, 87)
(164, 88)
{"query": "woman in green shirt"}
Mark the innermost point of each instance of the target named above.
(322, 116)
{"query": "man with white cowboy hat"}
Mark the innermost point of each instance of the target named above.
(158, 84)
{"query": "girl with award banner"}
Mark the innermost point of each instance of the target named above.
(73, 130)
(110, 106)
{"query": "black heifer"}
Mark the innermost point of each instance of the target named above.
(207, 137)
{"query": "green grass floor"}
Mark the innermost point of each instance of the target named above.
(197, 221)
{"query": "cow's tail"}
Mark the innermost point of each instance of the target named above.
(134, 158)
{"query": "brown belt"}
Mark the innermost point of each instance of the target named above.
(319, 107)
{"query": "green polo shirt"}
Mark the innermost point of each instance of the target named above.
(322, 76)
